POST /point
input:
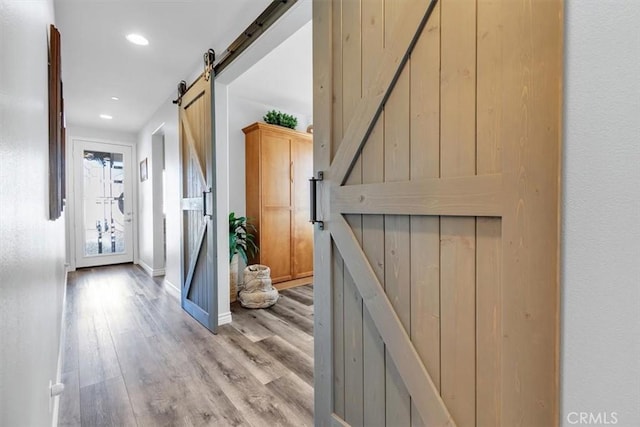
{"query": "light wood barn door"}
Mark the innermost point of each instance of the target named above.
(437, 127)
(199, 257)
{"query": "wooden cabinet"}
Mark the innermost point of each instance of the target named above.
(279, 163)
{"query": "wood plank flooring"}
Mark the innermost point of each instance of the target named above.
(134, 358)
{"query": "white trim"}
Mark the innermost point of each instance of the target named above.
(56, 400)
(224, 318)
(150, 271)
(172, 289)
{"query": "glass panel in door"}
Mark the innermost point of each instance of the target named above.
(104, 215)
(103, 203)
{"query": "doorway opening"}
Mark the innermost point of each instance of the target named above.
(103, 193)
(269, 165)
(159, 209)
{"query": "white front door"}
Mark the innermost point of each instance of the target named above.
(103, 200)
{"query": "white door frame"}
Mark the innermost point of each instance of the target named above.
(70, 204)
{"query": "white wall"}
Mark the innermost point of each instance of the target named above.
(166, 118)
(32, 248)
(242, 113)
(96, 134)
(601, 219)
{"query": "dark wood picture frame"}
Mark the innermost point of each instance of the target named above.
(57, 175)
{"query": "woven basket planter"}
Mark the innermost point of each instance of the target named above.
(257, 291)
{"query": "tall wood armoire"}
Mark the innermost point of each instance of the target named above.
(279, 162)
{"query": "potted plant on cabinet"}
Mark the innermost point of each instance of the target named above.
(241, 244)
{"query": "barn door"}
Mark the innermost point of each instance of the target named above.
(437, 129)
(199, 258)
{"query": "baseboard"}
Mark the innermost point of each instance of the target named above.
(172, 289)
(56, 400)
(224, 318)
(150, 271)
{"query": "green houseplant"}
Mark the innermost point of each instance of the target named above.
(279, 118)
(241, 244)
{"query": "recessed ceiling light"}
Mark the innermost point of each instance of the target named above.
(115, 98)
(137, 39)
(105, 116)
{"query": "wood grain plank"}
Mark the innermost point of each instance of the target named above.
(252, 399)
(298, 362)
(151, 392)
(70, 359)
(391, 329)
(338, 335)
(336, 55)
(299, 296)
(262, 365)
(70, 401)
(245, 323)
(354, 370)
(532, 43)
(373, 225)
(98, 362)
(397, 229)
(278, 326)
(456, 196)
(457, 260)
(297, 393)
(294, 319)
(425, 231)
(106, 403)
(305, 290)
(352, 319)
(489, 230)
(413, 16)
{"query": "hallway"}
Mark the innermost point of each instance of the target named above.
(133, 357)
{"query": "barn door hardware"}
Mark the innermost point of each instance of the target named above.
(182, 89)
(209, 59)
(313, 219)
(204, 203)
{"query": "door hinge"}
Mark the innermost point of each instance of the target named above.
(313, 219)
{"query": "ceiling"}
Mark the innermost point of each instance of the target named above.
(99, 63)
(284, 77)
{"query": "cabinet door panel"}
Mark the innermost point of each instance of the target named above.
(275, 242)
(302, 157)
(276, 170)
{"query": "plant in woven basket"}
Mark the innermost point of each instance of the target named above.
(279, 118)
(241, 238)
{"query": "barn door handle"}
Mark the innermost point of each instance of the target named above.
(313, 218)
(204, 202)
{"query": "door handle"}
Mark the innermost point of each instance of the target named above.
(313, 218)
(204, 202)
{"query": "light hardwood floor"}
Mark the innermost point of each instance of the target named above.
(133, 357)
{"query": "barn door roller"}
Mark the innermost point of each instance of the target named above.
(313, 219)
(182, 89)
(209, 59)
